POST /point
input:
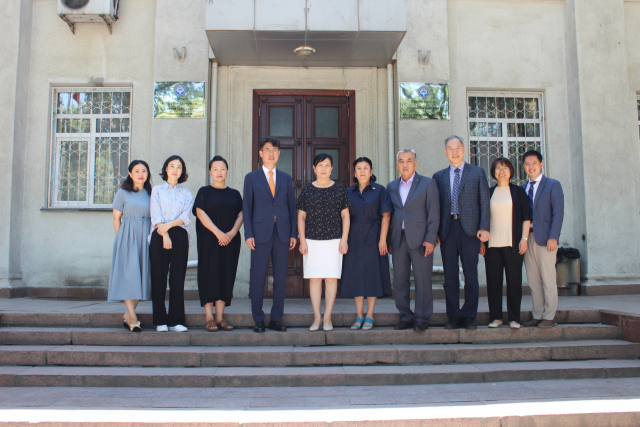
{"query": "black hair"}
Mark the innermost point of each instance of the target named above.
(274, 141)
(532, 153)
(321, 158)
(366, 160)
(183, 177)
(218, 159)
(127, 184)
(501, 161)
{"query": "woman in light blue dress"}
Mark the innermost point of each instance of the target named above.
(130, 279)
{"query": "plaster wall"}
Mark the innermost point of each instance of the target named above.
(16, 24)
(608, 114)
(73, 248)
(632, 33)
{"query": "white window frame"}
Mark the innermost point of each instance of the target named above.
(638, 106)
(91, 136)
(505, 139)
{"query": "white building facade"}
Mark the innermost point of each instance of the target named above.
(561, 76)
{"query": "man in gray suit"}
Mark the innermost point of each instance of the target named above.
(412, 237)
(546, 201)
(464, 223)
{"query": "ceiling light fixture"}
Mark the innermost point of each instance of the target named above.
(304, 52)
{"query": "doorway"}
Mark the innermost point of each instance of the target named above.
(307, 123)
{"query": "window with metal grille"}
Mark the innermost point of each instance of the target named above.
(504, 124)
(90, 146)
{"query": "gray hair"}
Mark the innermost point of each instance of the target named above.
(452, 137)
(406, 150)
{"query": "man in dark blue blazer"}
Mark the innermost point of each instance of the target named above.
(546, 201)
(464, 223)
(270, 230)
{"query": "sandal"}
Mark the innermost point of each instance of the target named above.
(357, 324)
(368, 324)
(211, 326)
(222, 324)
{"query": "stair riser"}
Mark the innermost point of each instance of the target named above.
(302, 337)
(292, 356)
(348, 376)
(245, 320)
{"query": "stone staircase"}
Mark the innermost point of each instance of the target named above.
(94, 350)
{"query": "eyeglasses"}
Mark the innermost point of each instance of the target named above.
(270, 150)
(503, 170)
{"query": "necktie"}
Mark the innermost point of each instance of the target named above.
(532, 184)
(272, 184)
(455, 193)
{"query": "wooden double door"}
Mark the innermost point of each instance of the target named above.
(306, 123)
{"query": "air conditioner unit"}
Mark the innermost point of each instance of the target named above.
(74, 11)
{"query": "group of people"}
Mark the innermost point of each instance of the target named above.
(343, 234)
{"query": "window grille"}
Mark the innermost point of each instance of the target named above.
(90, 146)
(503, 124)
(638, 116)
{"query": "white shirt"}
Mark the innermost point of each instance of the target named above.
(169, 203)
(266, 173)
(535, 189)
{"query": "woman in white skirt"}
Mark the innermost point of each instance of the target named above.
(323, 226)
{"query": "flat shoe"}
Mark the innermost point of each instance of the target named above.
(357, 324)
(314, 328)
(162, 328)
(135, 327)
(211, 326)
(224, 326)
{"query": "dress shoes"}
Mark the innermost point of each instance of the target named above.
(259, 327)
(403, 324)
(277, 326)
(469, 323)
(453, 323)
(547, 323)
(421, 326)
(532, 323)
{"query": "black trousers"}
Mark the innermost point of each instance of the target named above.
(458, 245)
(174, 263)
(498, 261)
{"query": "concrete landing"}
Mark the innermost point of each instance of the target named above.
(583, 403)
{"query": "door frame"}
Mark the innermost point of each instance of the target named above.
(351, 136)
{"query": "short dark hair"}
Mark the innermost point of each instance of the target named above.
(321, 158)
(273, 140)
(218, 159)
(503, 161)
(365, 160)
(183, 177)
(532, 153)
(127, 184)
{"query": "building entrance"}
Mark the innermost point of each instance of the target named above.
(306, 123)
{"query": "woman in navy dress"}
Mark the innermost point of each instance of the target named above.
(365, 268)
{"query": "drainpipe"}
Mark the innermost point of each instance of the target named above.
(214, 101)
(390, 117)
(212, 128)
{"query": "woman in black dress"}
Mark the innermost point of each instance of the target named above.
(218, 209)
(365, 268)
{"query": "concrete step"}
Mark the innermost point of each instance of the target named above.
(301, 336)
(400, 354)
(67, 376)
(245, 320)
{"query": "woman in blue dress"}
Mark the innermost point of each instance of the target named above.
(365, 268)
(130, 279)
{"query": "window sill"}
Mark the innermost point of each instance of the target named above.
(77, 209)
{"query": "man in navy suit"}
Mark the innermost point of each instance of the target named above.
(546, 201)
(464, 223)
(270, 230)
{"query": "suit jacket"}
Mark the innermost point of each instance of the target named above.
(520, 213)
(548, 210)
(473, 200)
(259, 207)
(420, 213)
